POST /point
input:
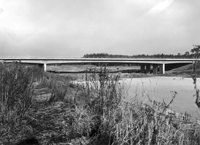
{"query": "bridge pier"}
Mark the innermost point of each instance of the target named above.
(142, 67)
(155, 68)
(43, 66)
(148, 68)
(162, 68)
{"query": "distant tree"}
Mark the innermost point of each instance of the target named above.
(196, 51)
(187, 53)
(162, 55)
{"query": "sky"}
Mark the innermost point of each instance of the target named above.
(72, 28)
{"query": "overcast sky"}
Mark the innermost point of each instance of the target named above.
(72, 28)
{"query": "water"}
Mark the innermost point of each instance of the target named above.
(160, 88)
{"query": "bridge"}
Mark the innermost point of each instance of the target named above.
(147, 65)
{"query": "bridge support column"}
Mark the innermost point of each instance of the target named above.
(142, 68)
(162, 68)
(45, 67)
(155, 68)
(148, 68)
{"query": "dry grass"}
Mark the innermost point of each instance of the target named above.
(15, 100)
(90, 113)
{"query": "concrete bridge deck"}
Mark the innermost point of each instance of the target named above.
(158, 65)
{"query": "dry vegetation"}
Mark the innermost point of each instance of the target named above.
(58, 110)
(185, 71)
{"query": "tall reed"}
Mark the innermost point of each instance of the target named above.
(15, 99)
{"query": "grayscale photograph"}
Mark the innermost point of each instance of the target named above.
(99, 72)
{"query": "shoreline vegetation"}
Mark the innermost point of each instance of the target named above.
(52, 109)
(126, 71)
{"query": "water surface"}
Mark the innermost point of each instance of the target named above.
(160, 88)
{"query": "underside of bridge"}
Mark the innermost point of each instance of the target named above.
(175, 65)
(159, 68)
(144, 67)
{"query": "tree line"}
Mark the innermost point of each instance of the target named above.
(187, 54)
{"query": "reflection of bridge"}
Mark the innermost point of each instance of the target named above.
(147, 65)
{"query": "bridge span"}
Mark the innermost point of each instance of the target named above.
(147, 65)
